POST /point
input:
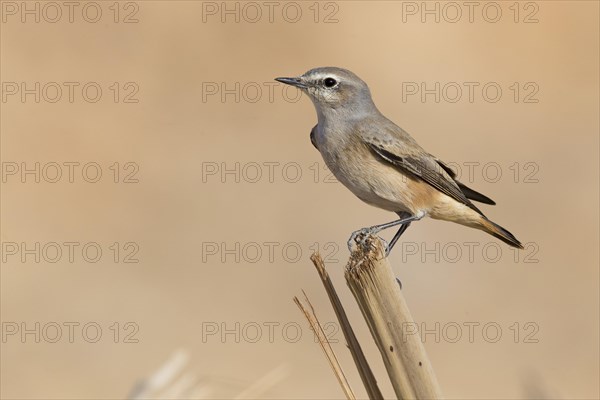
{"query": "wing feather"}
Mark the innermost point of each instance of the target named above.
(398, 148)
(470, 193)
(312, 137)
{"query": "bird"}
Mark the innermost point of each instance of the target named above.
(383, 165)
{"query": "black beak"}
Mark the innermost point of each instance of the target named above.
(297, 82)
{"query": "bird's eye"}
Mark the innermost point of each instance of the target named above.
(330, 82)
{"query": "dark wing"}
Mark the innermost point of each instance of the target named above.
(422, 166)
(312, 137)
(470, 193)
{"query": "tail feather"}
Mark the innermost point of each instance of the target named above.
(501, 233)
(474, 195)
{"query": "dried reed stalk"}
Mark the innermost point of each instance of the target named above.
(372, 281)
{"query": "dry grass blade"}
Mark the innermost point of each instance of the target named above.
(163, 378)
(261, 386)
(354, 346)
(329, 353)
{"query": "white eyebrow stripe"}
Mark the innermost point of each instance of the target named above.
(321, 76)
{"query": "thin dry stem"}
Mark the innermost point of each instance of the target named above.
(329, 353)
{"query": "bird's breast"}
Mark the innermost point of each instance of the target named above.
(371, 179)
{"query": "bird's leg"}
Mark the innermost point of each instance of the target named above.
(403, 228)
(373, 230)
(388, 247)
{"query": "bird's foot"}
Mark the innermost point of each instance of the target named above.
(359, 237)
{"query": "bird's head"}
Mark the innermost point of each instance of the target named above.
(333, 89)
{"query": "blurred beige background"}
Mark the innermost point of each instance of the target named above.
(221, 255)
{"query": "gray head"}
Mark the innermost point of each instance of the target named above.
(334, 91)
